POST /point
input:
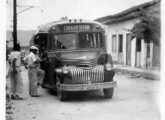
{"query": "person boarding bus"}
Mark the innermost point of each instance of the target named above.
(35, 74)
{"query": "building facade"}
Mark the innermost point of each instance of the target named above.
(125, 49)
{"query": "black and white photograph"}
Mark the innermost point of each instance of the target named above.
(82, 60)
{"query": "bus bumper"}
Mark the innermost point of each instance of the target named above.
(85, 87)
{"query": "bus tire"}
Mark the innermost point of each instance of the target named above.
(61, 95)
(108, 93)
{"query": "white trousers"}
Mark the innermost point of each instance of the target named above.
(36, 76)
(16, 81)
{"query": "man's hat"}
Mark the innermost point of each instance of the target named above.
(33, 48)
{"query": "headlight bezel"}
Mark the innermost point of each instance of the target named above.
(65, 70)
(62, 70)
(108, 66)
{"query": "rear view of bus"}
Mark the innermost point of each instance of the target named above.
(77, 59)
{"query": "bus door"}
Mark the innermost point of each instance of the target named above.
(41, 42)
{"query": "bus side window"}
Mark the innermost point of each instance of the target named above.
(43, 39)
(36, 40)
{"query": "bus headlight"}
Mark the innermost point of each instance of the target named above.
(58, 70)
(108, 67)
(65, 70)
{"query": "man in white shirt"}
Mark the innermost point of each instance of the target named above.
(35, 74)
(15, 74)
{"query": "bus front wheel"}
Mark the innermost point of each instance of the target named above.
(108, 93)
(62, 95)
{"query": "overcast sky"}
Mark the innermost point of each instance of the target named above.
(55, 9)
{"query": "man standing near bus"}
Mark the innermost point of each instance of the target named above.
(15, 74)
(35, 74)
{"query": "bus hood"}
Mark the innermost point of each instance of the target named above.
(74, 57)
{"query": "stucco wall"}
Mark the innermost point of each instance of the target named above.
(122, 27)
(117, 29)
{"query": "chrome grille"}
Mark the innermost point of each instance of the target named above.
(87, 76)
(87, 64)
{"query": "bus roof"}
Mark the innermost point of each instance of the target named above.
(46, 27)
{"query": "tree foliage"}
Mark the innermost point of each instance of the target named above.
(148, 28)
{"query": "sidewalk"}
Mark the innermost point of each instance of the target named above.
(148, 73)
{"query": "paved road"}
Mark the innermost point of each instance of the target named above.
(134, 99)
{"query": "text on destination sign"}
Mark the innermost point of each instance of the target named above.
(76, 27)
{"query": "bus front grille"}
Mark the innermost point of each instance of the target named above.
(87, 76)
(87, 64)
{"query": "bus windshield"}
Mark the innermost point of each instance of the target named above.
(69, 40)
(64, 41)
(90, 40)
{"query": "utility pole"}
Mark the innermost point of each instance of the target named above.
(14, 23)
(15, 14)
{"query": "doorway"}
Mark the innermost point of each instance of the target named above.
(128, 49)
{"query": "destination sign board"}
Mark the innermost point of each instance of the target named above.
(76, 27)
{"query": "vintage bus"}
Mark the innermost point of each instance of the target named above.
(77, 59)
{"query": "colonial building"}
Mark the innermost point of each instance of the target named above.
(125, 49)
